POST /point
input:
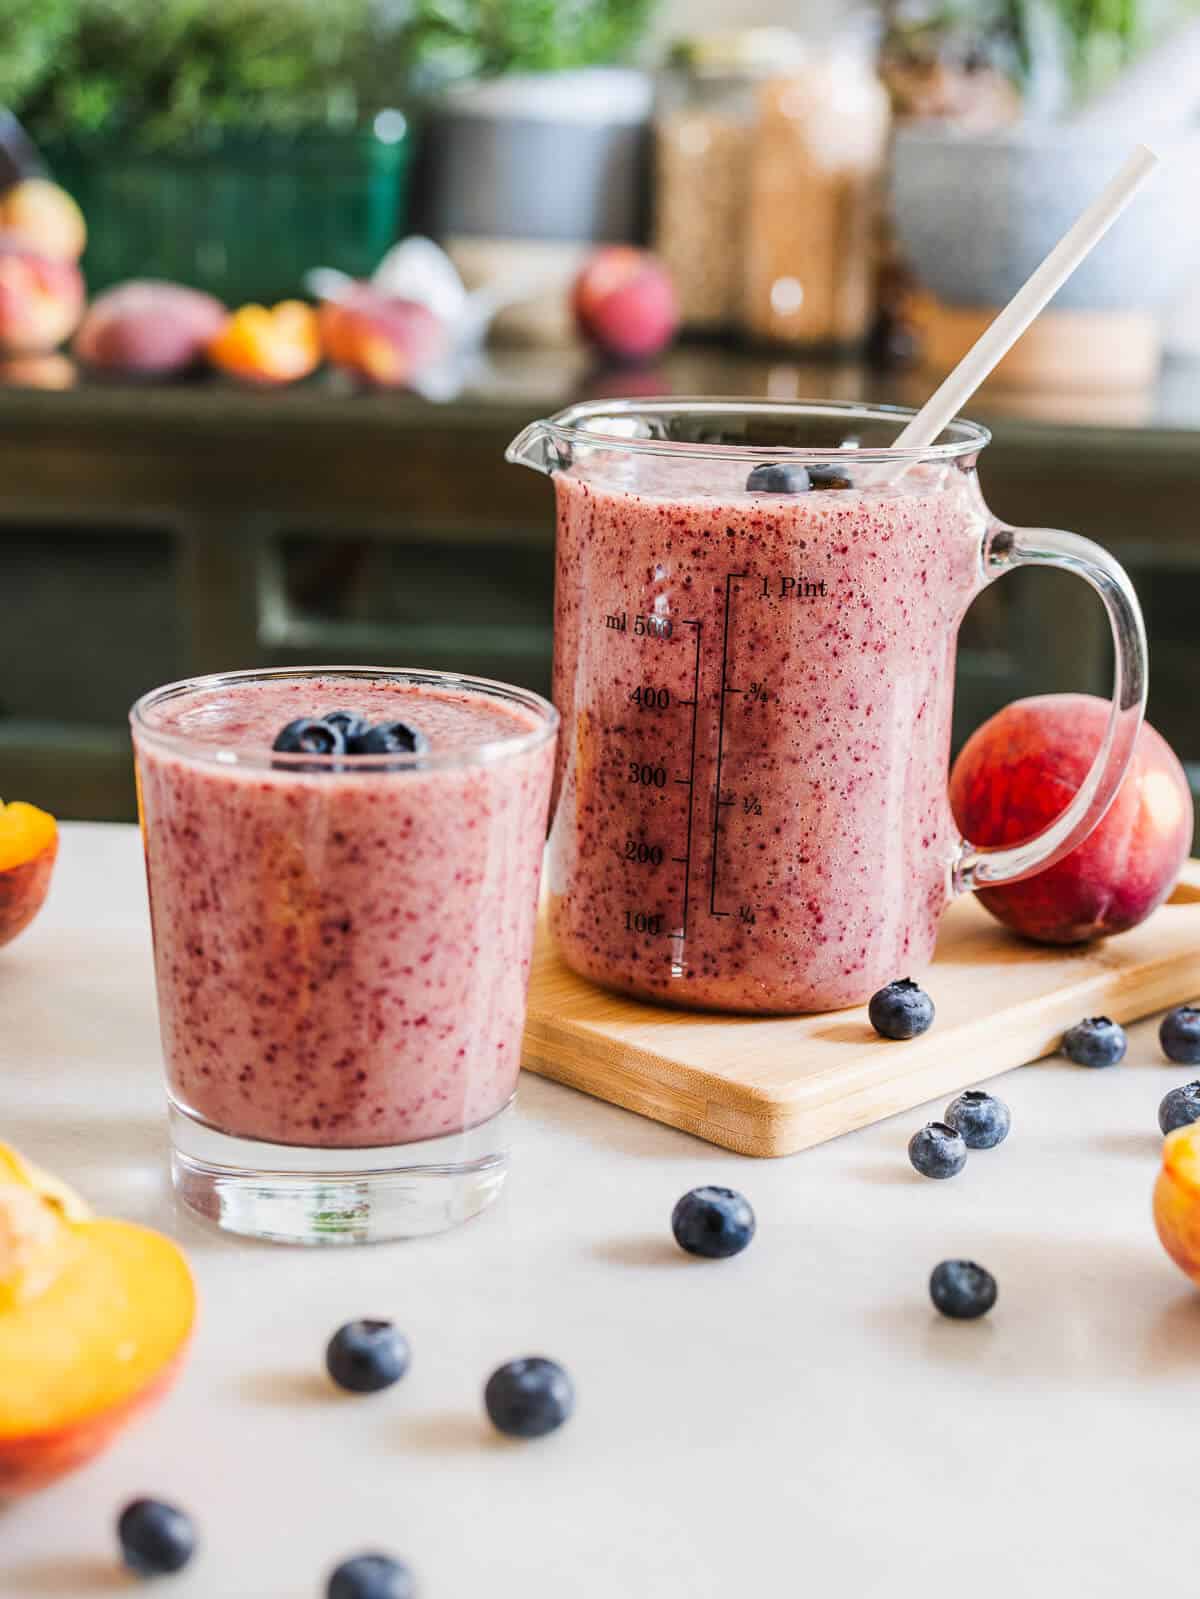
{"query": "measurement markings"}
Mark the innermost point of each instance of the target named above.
(730, 579)
(691, 780)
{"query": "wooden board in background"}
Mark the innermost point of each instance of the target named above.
(774, 1085)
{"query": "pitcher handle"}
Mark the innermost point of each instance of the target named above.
(1005, 547)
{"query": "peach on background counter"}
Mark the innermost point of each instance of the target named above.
(624, 303)
(1018, 771)
(41, 299)
(28, 850)
(148, 328)
(95, 1317)
(381, 341)
(268, 344)
(45, 218)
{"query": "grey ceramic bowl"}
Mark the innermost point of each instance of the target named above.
(975, 215)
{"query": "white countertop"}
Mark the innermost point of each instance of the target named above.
(796, 1421)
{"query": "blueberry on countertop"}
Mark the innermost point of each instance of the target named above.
(365, 1356)
(1180, 1108)
(937, 1151)
(962, 1290)
(529, 1398)
(392, 738)
(713, 1222)
(371, 1577)
(1096, 1041)
(351, 724)
(1179, 1035)
(155, 1538)
(982, 1119)
(776, 477)
(901, 1010)
(309, 735)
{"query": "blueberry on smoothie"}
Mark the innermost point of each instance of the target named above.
(1179, 1035)
(982, 1119)
(937, 1151)
(828, 477)
(529, 1398)
(351, 724)
(901, 1010)
(713, 1222)
(1096, 1041)
(392, 738)
(776, 477)
(365, 1356)
(962, 1290)
(1180, 1108)
(371, 1577)
(309, 735)
(155, 1538)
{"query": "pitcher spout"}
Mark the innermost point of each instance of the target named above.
(536, 446)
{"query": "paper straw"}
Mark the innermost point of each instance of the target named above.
(991, 347)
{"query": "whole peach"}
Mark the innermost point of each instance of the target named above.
(148, 328)
(624, 303)
(382, 341)
(40, 300)
(1019, 771)
(45, 218)
(1177, 1199)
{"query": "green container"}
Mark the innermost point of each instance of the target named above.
(243, 218)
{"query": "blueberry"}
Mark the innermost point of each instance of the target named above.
(982, 1119)
(155, 1538)
(713, 1222)
(1095, 1042)
(365, 1356)
(775, 477)
(371, 1577)
(529, 1398)
(962, 1290)
(828, 477)
(309, 735)
(937, 1150)
(391, 738)
(1180, 1107)
(1179, 1035)
(901, 1010)
(351, 724)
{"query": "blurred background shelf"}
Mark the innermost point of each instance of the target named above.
(150, 533)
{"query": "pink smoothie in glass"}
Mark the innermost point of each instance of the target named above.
(802, 644)
(342, 955)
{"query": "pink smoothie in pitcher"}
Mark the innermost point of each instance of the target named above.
(756, 692)
(342, 953)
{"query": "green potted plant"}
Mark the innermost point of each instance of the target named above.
(228, 144)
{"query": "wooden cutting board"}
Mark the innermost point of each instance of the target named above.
(773, 1085)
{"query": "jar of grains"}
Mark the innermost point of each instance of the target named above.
(815, 182)
(707, 103)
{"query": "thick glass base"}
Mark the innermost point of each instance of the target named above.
(296, 1195)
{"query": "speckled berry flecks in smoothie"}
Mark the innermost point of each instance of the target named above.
(805, 645)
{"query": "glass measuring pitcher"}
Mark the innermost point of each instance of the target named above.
(756, 614)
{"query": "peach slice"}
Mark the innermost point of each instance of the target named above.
(268, 345)
(1177, 1199)
(28, 849)
(95, 1317)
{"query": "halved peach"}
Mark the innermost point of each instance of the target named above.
(1177, 1199)
(28, 848)
(258, 344)
(95, 1317)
